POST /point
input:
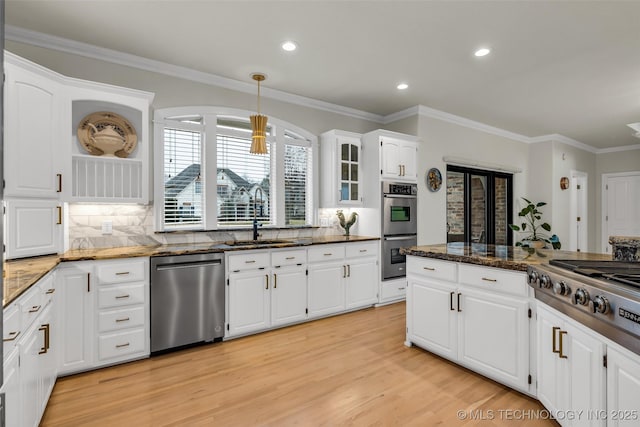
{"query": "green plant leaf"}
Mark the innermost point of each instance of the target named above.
(546, 226)
(524, 226)
(526, 200)
(540, 204)
(514, 227)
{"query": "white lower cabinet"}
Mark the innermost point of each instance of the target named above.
(326, 288)
(104, 313)
(248, 302)
(623, 387)
(289, 295)
(472, 322)
(11, 388)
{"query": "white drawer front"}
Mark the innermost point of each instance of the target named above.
(354, 250)
(282, 258)
(326, 253)
(117, 296)
(250, 261)
(120, 344)
(47, 289)
(393, 291)
(31, 304)
(121, 319)
(11, 327)
(122, 272)
(432, 268)
(494, 279)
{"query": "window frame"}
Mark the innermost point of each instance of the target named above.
(209, 125)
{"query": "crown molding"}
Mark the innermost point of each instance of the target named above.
(564, 140)
(21, 35)
(618, 149)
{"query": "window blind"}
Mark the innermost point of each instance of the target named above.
(297, 194)
(182, 178)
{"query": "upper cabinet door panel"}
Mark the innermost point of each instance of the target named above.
(32, 144)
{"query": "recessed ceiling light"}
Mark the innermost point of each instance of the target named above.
(289, 46)
(402, 86)
(482, 52)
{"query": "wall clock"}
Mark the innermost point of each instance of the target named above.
(433, 179)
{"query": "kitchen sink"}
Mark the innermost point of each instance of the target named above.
(257, 242)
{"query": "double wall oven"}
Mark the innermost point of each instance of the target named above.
(399, 226)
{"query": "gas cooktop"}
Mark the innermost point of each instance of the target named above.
(617, 271)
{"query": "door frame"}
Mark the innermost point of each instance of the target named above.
(604, 203)
(579, 178)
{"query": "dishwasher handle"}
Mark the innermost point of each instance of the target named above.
(194, 264)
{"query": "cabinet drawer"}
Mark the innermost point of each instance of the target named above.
(393, 290)
(326, 253)
(31, 305)
(432, 268)
(354, 250)
(117, 296)
(282, 258)
(11, 327)
(250, 261)
(47, 289)
(494, 279)
(120, 344)
(121, 319)
(122, 272)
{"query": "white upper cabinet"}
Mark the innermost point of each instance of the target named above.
(341, 165)
(33, 115)
(397, 154)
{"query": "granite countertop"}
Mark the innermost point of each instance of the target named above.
(507, 257)
(20, 274)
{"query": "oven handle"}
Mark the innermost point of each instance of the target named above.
(401, 238)
(400, 196)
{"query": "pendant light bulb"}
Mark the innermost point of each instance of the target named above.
(258, 124)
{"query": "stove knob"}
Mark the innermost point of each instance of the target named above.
(533, 277)
(600, 305)
(581, 297)
(561, 288)
(545, 282)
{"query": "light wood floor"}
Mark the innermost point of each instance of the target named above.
(345, 370)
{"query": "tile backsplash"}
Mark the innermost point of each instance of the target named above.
(133, 225)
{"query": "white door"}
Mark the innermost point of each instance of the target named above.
(433, 317)
(578, 231)
(623, 386)
(362, 283)
(289, 295)
(248, 302)
(408, 157)
(34, 227)
(621, 206)
(389, 158)
(552, 378)
(493, 336)
(11, 389)
(30, 380)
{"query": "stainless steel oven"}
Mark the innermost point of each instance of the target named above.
(393, 263)
(399, 226)
(399, 206)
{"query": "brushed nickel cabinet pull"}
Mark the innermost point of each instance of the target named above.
(489, 280)
(290, 257)
(348, 270)
(44, 328)
(400, 173)
(363, 250)
(560, 354)
(459, 309)
(59, 208)
(122, 296)
(275, 280)
(344, 271)
(451, 301)
(59, 176)
(50, 291)
(267, 277)
(122, 273)
(122, 345)
(124, 319)
(34, 309)
(553, 340)
(12, 336)
(251, 261)
(329, 254)
(429, 268)
(88, 282)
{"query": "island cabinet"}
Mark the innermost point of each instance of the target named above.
(476, 316)
(30, 365)
(623, 386)
(265, 289)
(104, 313)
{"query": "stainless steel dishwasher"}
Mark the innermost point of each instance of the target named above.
(187, 300)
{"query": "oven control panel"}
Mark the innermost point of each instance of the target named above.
(400, 189)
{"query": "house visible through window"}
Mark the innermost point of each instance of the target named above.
(275, 188)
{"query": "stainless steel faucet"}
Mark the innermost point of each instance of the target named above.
(255, 211)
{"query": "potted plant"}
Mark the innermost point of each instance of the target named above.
(532, 230)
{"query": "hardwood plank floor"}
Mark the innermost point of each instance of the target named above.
(351, 369)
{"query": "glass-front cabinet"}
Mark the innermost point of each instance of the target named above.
(341, 169)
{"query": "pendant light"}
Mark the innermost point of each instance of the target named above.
(258, 124)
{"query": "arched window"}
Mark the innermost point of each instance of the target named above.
(206, 179)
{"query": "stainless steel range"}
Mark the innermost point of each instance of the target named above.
(603, 295)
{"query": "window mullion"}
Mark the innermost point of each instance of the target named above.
(210, 160)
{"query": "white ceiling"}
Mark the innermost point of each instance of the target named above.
(558, 67)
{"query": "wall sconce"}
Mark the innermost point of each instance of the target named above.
(258, 124)
(564, 183)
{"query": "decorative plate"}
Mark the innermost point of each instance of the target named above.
(112, 126)
(433, 179)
